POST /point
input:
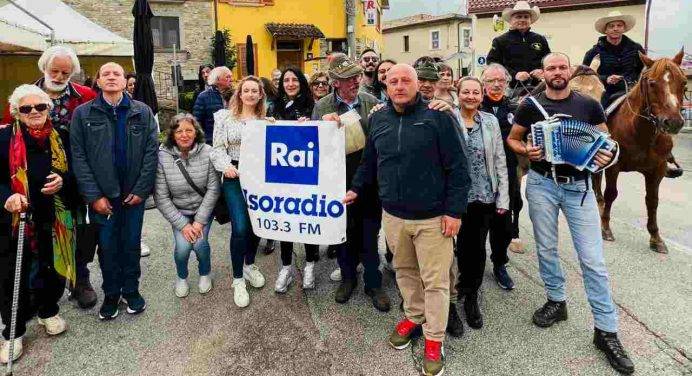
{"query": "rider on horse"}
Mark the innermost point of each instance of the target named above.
(520, 50)
(620, 66)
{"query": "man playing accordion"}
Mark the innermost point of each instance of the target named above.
(551, 188)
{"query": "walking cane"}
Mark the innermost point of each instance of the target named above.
(15, 292)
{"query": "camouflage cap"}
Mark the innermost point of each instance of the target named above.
(342, 67)
(428, 71)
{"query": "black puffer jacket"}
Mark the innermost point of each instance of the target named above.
(519, 52)
(622, 60)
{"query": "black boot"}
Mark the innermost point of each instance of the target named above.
(550, 313)
(455, 327)
(345, 290)
(84, 293)
(610, 345)
(473, 312)
(380, 300)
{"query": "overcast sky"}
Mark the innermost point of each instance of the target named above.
(403, 8)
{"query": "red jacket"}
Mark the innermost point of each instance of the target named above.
(79, 95)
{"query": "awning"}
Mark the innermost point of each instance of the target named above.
(294, 31)
(21, 33)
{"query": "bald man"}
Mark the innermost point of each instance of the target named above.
(114, 157)
(414, 157)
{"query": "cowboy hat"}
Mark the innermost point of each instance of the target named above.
(522, 6)
(341, 67)
(615, 15)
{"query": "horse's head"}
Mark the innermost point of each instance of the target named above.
(662, 86)
(585, 80)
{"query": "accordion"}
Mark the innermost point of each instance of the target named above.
(568, 141)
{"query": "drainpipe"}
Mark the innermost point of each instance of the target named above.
(216, 17)
(350, 6)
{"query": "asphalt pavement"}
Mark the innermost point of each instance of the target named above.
(307, 333)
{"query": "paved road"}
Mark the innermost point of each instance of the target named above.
(306, 333)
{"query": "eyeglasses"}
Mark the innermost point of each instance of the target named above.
(496, 81)
(373, 59)
(320, 83)
(26, 109)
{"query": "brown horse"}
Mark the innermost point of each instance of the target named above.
(642, 125)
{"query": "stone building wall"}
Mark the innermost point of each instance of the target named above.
(196, 31)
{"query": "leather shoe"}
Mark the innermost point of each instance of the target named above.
(610, 345)
(550, 313)
(455, 327)
(380, 300)
(84, 293)
(345, 290)
(473, 312)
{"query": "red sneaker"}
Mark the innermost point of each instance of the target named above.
(433, 360)
(401, 336)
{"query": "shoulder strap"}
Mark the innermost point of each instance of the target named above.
(179, 163)
(540, 108)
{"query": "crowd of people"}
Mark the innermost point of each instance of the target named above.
(438, 174)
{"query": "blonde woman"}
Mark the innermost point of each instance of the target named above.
(246, 104)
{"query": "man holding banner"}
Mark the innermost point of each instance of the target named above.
(415, 159)
(350, 107)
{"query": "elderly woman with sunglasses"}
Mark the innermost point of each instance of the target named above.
(34, 178)
(319, 85)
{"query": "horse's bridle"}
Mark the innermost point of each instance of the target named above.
(646, 113)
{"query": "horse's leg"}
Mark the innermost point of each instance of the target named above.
(611, 193)
(596, 180)
(653, 180)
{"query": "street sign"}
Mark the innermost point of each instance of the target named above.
(481, 60)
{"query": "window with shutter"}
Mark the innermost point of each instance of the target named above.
(242, 58)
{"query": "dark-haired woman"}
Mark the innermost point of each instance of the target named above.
(379, 85)
(294, 101)
(189, 213)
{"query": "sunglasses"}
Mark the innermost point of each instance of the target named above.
(371, 59)
(26, 109)
(320, 83)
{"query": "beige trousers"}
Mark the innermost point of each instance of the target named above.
(422, 261)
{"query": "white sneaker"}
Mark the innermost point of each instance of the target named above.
(146, 251)
(252, 274)
(309, 276)
(336, 275)
(181, 288)
(16, 352)
(205, 284)
(284, 279)
(54, 325)
(240, 295)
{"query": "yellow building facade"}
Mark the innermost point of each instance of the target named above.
(295, 32)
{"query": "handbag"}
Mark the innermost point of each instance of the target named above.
(220, 211)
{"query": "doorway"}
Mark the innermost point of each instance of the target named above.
(289, 53)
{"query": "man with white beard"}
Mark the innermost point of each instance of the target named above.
(58, 65)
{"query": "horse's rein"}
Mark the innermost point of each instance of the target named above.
(643, 82)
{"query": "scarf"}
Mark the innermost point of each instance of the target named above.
(63, 226)
(494, 97)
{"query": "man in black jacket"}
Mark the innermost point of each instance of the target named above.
(620, 65)
(505, 233)
(520, 50)
(414, 155)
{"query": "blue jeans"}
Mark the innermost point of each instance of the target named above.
(243, 240)
(181, 254)
(119, 254)
(546, 198)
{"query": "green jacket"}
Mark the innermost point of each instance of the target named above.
(330, 104)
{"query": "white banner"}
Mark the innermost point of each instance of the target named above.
(293, 176)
